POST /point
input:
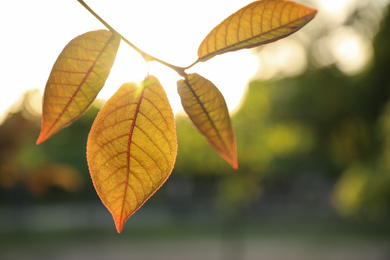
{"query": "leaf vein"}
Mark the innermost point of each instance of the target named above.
(82, 82)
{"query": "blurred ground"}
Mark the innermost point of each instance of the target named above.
(198, 248)
(84, 232)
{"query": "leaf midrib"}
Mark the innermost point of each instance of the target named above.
(72, 98)
(231, 47)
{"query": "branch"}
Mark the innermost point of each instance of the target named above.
(147, 57)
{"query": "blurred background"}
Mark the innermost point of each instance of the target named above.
(313, 136)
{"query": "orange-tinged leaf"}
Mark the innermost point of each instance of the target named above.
(258, 23)
(76, 78)
(132, 147)
(206, 107)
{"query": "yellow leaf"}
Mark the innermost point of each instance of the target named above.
(258, 23)
(76, 78)
(132, 147)
(207, 109)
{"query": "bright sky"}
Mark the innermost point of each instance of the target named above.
(35, 32)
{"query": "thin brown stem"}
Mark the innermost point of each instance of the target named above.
(147, 57)
(190, 66)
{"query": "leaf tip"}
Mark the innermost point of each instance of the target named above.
(313, 12)
(234, 164)
(119, 219)
(230, 156)
(41, 138)
(232, 160)
(119, 226)
(45, 133)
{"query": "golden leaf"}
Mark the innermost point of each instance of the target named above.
(207, 109)
(132, 147)
(76, 78)
(258, 23)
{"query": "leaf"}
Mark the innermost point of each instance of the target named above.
(132, 147)
(76, 78)
(207, 109)
(258, 23)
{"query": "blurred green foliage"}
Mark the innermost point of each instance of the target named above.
(322, 123)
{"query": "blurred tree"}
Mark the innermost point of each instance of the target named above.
(24, 169)
(323, 123)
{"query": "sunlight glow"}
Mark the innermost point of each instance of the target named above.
(351, 26)
(352, 51)
(336, 10)
(165, 29)
(230, 73)
(177, 43)
(280, 59)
